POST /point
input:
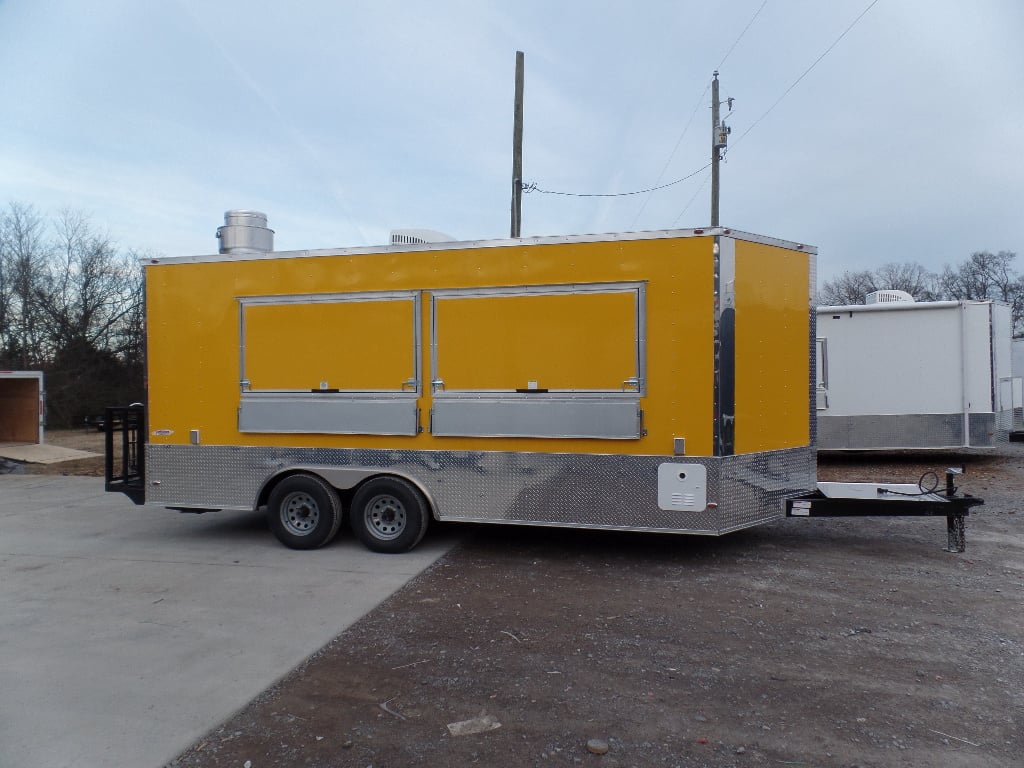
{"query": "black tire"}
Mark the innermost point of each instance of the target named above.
(304, 512)
(389, 514)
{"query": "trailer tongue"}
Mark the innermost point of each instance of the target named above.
(891, 500)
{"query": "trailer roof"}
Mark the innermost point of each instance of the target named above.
(502, 243)
(900, 306)
(22, 375)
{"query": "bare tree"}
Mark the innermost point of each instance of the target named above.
(848, 288)
(6, 297)
(909, 277)
(88, 297)
(71, 305)
(852, 287)
(127, 337)
(24, 252)
(89, 288)
(986, 275)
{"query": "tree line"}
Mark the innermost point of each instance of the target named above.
(984, 275)
(71, 305)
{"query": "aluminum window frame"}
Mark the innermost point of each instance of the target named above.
(638, 288)
(411, 387)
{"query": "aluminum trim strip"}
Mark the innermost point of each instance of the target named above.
(531, 416)
(327, 298)
(668, 234)
(547, 289)
(328, 414)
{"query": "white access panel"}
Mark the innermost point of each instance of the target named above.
(682, 487)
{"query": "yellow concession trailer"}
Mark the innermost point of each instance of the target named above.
(651, 381)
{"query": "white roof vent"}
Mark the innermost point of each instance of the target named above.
(417, 236)
(888, 297)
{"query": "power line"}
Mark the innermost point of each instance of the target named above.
(807, 71)
(737, 41)
(696, 108)
(688, 204)
(535, 188)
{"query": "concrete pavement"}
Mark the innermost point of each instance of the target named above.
(127, 632)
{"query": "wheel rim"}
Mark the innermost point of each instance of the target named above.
(300, 514)
(385, 517)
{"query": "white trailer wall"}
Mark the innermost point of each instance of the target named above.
(912, 375)
(1017, 384)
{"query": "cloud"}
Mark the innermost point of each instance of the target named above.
(344, 120)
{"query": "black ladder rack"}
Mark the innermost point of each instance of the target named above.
(125, 432)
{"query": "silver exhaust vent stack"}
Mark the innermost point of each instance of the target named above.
(245, 232)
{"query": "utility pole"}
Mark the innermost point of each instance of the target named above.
(714, 150)
(517, 150)
(719, 139)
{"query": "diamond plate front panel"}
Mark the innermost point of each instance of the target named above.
(569, 490)
(754, 487)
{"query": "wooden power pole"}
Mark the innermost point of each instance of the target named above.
(719, 140)
(714, 150)
(517, 151)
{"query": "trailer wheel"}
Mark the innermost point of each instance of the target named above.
(304, 512)
(389, 515)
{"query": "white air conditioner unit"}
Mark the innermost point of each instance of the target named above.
(418, 236)
(888, 297)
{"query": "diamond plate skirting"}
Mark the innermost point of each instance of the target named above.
(569, 490)
(908, 431)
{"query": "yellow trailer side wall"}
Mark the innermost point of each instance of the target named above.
(772, 348)
(194, 336)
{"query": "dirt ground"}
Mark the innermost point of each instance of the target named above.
(807, 642)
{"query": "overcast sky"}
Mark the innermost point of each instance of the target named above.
(345, 119)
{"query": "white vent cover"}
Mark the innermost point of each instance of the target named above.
(888, 297)
(682, 487)
(418, 236)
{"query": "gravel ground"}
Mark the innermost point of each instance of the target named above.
(807, 642)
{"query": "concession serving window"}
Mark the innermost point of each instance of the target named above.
(330, 363)
(538, 361)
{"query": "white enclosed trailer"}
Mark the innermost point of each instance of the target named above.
(1016, 387)
(899, 374)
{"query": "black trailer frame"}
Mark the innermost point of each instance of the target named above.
(891, 500)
